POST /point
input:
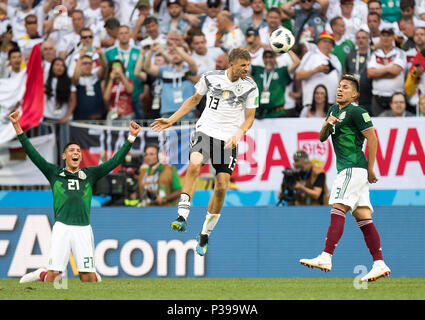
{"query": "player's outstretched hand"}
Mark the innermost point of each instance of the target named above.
(161, 124)
(14, 117)
(134, 128)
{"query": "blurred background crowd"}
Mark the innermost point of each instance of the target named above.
(106, 59)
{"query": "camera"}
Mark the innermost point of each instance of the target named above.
(122, 184)
(290, 177)
(148, 195)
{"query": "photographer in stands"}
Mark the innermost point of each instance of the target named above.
(158, 184)
(305, 184)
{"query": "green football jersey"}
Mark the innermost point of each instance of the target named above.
(347, 137)
(72, 191)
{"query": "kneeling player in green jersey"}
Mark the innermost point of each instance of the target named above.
(72, 193)
(349, 125)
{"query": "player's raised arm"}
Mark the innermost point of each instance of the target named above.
(41, 163)
(163, 123)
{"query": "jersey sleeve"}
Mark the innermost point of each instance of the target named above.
(102, 170)
(48, 169)
(362, 119)
(201, 86)
(253, 99)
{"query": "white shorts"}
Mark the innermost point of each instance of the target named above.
(67, 238)
(351, 188)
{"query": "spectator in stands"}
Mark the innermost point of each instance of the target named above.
(229, 36)
(353, 13)
(176, 87)
(60, 94)
(398, 106)
(391, 10)
(258, 18)
(31, 37)
(175, 10)
(17, 15)
(93, 13)
(356, 64)
(309, 19)
(319, 106)
(69, 42)
(319, 67)
(222, 62)
(143, 11)
(373, 23)
(155, 89)
(117, 92)
(6, 44)
(86, 42)
(129, 55)
(376, 6)
(90, 104)
(272, 81)
(15, 63)
(274, 21)
(343, 46)
(48, 53)
(407, 28)
(152, 32)
(254, 46)
(158, 183)
(112, 26)
(385, 68)
(107, 9)
(415, 83)
(208, 22)
(204, 57)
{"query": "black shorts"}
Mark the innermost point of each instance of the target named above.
(222, 160)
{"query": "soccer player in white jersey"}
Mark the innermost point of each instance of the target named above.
(232, 98)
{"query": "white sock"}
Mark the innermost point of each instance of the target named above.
(184, 206)
(210, 222)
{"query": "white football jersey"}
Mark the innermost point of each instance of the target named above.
(226, 102)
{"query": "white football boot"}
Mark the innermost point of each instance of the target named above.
(32, 276)
(379, 270)
(323, 262)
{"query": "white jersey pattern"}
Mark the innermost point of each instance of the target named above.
(226, 102)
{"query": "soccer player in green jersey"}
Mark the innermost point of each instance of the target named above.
(72, 193)
(349, 124)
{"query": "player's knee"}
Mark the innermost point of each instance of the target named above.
(195, 160)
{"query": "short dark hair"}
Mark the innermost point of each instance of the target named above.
(151, 145)
(112, 23)
(396, 94)
(11, 51)
(68, 144)
(404, 4)
(352, 79)
(110, 3)
(301, 155)
(149, 20)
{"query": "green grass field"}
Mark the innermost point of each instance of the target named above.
(218, 289)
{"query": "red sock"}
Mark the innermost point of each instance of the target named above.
(335, 230)
(43, 276)
(371, 238)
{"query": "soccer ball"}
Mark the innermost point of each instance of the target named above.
(282, 40)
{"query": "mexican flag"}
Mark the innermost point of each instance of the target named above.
(25, 89)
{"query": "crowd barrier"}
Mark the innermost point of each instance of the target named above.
(247, 242)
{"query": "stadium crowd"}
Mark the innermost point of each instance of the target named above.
(106, 59)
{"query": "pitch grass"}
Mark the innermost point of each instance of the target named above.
(218, 289)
